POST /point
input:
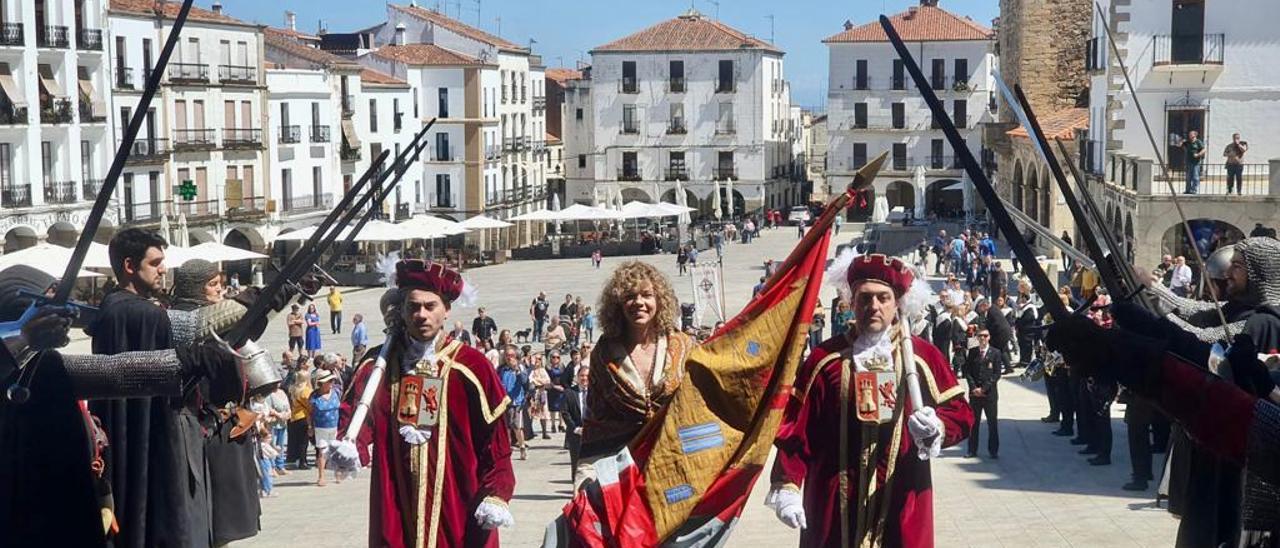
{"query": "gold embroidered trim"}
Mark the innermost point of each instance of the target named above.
(843, 463)
(496, 501)
(815, 374)
(489, 415)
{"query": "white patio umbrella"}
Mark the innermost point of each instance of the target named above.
(682, 200)
(555, 206)
(482, 222)
(539, 215)
(715, 200)
(382, 231)
(52, 259)
(919, 192)
(165, 231)
(217, 252)
(881, 210)
(183, 237)
(728, 194)
(297, 236)
(431, 224)
(579, 212)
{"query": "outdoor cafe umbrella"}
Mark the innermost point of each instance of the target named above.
(52, 259)
(715, 200)
(485, 223)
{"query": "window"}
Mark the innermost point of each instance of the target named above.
(900, 156)
(860, 75)
(860, 115)
(317, 184)
(6, 166)
(373, 117)
(315, 114)
(121, 65)
(415, 103)
(582, 160)
(724, 165)
(577, 114)
(899, 75)
(677, 76)
(46, 162)
(724, 122)
(629, 123)
(725, 81)
(960, 113)
(442, 102)
(146, 56)
(859, 155)
(676, 167)
(396, 115)
(286, 184)
(962, 74)
(936, 153)
(630, 167)
(442, 148)
(284, 115)
(444, 192)
(899, 116)
(629, 84)
(86, 162)
(938, 79)
(677, 119)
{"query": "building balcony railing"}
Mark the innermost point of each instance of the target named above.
(348, 106)
(146, 151)
(90, 116)
(237, 74)
(144, 212)
(198, 209)
(522, 143)
(443, 154)
(677, 127)
(89, 39)
(53, 36)
(1255, 180)
(308, 202)
(509, 144)
(1188, 49)
(862, 82)
(725, 129)
(15, 196)
(724, 173)
(242, 138)
(900, 163)
(723, 86)
(630, 129)
(10, 116)
(124, 78)
(248, 206)
(960, 83)
(540, 103)
(349, 154)
(11, 34)
(56, 111)
(290, 135)
(539, 145)
(938, 82)
(492, 152)
(320, 134)
(188, 72)
(676, 84)
(628, 85)
(194, 139)
(677, 174)
(90, 188)
(898, 83)
(943, 162)
(59, 192)
(629, 174)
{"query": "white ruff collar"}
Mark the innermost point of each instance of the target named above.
(872, 346)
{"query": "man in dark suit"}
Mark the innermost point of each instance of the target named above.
(982, 370)
(1001, 332)
(575, 402)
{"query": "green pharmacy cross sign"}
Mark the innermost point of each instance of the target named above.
(187, 190)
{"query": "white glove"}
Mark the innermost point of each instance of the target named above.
(343, 456)
(414, 435)
(926, 432)
(491, 515)
(788, 505)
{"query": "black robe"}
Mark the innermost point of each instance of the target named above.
(47, 491)
(157, 479)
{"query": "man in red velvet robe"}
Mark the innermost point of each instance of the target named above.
(850, 435)
(441, 458)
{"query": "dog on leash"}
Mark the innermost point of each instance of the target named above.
(522, 336)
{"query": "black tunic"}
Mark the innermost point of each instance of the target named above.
(157, 476)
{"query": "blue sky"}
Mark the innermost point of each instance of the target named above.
(566, 29)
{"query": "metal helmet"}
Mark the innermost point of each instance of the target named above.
(260, 374)
(1216, 266)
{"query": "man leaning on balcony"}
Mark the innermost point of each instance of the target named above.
(1234, 153)
(1193, 148)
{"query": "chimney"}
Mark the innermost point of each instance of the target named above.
(399, 39)
(290, 20)
(848, 25)
(930, 3)
(217, 8)
(911, 12)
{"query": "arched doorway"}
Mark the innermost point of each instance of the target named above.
(690, 200)
(106, 231)
(197, 236)
(635, 195)
(728, 209)
(1128, 237)
(1018, 189)
(241, 269)
(1032, 203)
(63, 234)
(1046, 198)
(861, 206)
(901, 194)
(1210, 234)
(945, 199)
(19, 237)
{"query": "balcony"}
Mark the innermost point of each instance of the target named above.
(56, 111)
(901, 163)
(60, 192)
(628, 85)
(944, 162)
(677, 127)
(444, 154)
(1188, 50)
(631, 173)
(10, 116)
(630, 128)
(676, 173)
(319, 134)
(308, 202)
(89, 39)
(862, 82)
(724, 173)
(938, 82)
(524, 94)
(349, 154)
(144, 212)
(397, 121)
(124, 78)
(724, 86)
(149, 151)
(90, 116)
(676, 84)
(348, 106)
(509, 144)
(492, 152)
(198, 209)
(11, 34)
(898, 83)
(188, 73)
(1255, 180)
(238, 74)
(540, 103)
(15, 196)
(249, 206)
(242, 138)
(291, 135)
(961, 84)
(53, 36)
(186, 140)
(90, 188)
(725, 129)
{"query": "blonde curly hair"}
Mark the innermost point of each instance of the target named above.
(624, 282)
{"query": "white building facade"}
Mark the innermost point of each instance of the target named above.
(1197, 66)
(873, 107)
(688, 104)
(55, 135)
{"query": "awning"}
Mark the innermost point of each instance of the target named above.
(349, 134)
(49, 83)
(10, 87)
(86, 92)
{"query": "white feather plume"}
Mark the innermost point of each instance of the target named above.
(470, 296)
(918, 297)
(838, 273)
(387, 266)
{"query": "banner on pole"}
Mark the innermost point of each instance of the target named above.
(705, 278)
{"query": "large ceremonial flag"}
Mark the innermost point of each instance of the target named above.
(685, 478)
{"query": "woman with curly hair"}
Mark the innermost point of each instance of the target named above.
(638, 362)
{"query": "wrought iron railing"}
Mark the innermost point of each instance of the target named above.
(188, 72)
(53, 36)
(89, 39)
(320, 134)
(11, 34)
(237, 74)
(290, 135)
(15, 196)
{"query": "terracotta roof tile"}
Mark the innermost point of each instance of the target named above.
(425, 54)
(459, 27)
(297, 35)
(563, 75)
(689, 32)
(279, 39)
(372, 77)
(1058, 125)
(553, 140)
(917, 24)
(170, 10)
